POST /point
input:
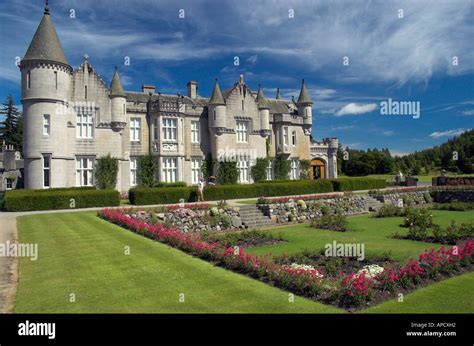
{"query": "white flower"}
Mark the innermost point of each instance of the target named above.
(371, 270)
(306, 267)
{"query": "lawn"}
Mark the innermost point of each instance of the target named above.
(373, 232)
(84, 255)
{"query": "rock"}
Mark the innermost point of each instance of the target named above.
(236, 221)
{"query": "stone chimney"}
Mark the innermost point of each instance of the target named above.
(192, 89)
(147, 88)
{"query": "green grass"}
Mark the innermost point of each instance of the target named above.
(373, 232)
(449, 296)
(84, 255)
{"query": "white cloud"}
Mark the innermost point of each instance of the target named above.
(354, 108)
(252, 59)
(468, 112)
(388, 133)
(448, 133)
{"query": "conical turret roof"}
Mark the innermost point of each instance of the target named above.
(116, 88)
(304, 95)
(45, 44)
(216, 97)
(261, 100)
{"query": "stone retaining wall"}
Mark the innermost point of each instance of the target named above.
(444, 196)
(407, 198)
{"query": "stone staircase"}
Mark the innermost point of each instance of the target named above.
(252, 217)
(373, 204)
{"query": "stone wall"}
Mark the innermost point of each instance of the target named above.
(407, 198)
(444, 196)
(300, 211)
(195, 220)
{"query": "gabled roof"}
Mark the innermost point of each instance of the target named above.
(116, 88)
(304, 95)
(216, 97)
(45, 44)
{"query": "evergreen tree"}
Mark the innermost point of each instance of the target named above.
(11, 130)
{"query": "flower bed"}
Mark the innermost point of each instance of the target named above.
(245, 239)
(349, 291)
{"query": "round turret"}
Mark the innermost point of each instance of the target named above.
(217, 108)
(119, 103)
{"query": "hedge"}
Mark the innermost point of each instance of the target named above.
(144, 196)
(353, 184)
(62, 198)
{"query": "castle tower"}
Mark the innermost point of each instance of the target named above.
(264, 113)
(45, 89)
(304, 105)
(119, 103)
(217, 109)
(217, 113)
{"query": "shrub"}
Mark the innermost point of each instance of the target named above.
(146, 171)
(2, 199)
(281, 168)
(228, 172)
(427, 196)
(106, 172)
(418, 218)
(336, 222)
(259, 171)
(353, 184)
(454, 206)
(304, 169)
(164, 184)
(144, 196)
(389, 210)
(50, 199)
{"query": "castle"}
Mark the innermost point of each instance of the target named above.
(71, 118)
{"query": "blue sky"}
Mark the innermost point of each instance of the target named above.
(405, 59)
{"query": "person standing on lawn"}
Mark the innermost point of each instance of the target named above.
(200, 190)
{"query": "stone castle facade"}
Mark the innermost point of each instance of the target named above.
(72, 117)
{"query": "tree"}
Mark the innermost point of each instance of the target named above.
(281, 168)
(259, 171)
(11, 130)
(146, 171)
(304, 169)
(106, 172)
(228, 172)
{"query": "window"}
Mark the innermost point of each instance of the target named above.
(135, 129)
(84, 171)
(9, 183)
(169, 129)
(195, 170)
(85, 92)
(295, 169)
(242, 132)
(243, 167)
(85, 123)
(195, 132)
(56, 80)
(285, 136)
(133, 171)
(124, 109)
(270, 170)
(169, 172)
(46, 124)
(46, 170)
(293, 138)
(28, 79)
(214, 112)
